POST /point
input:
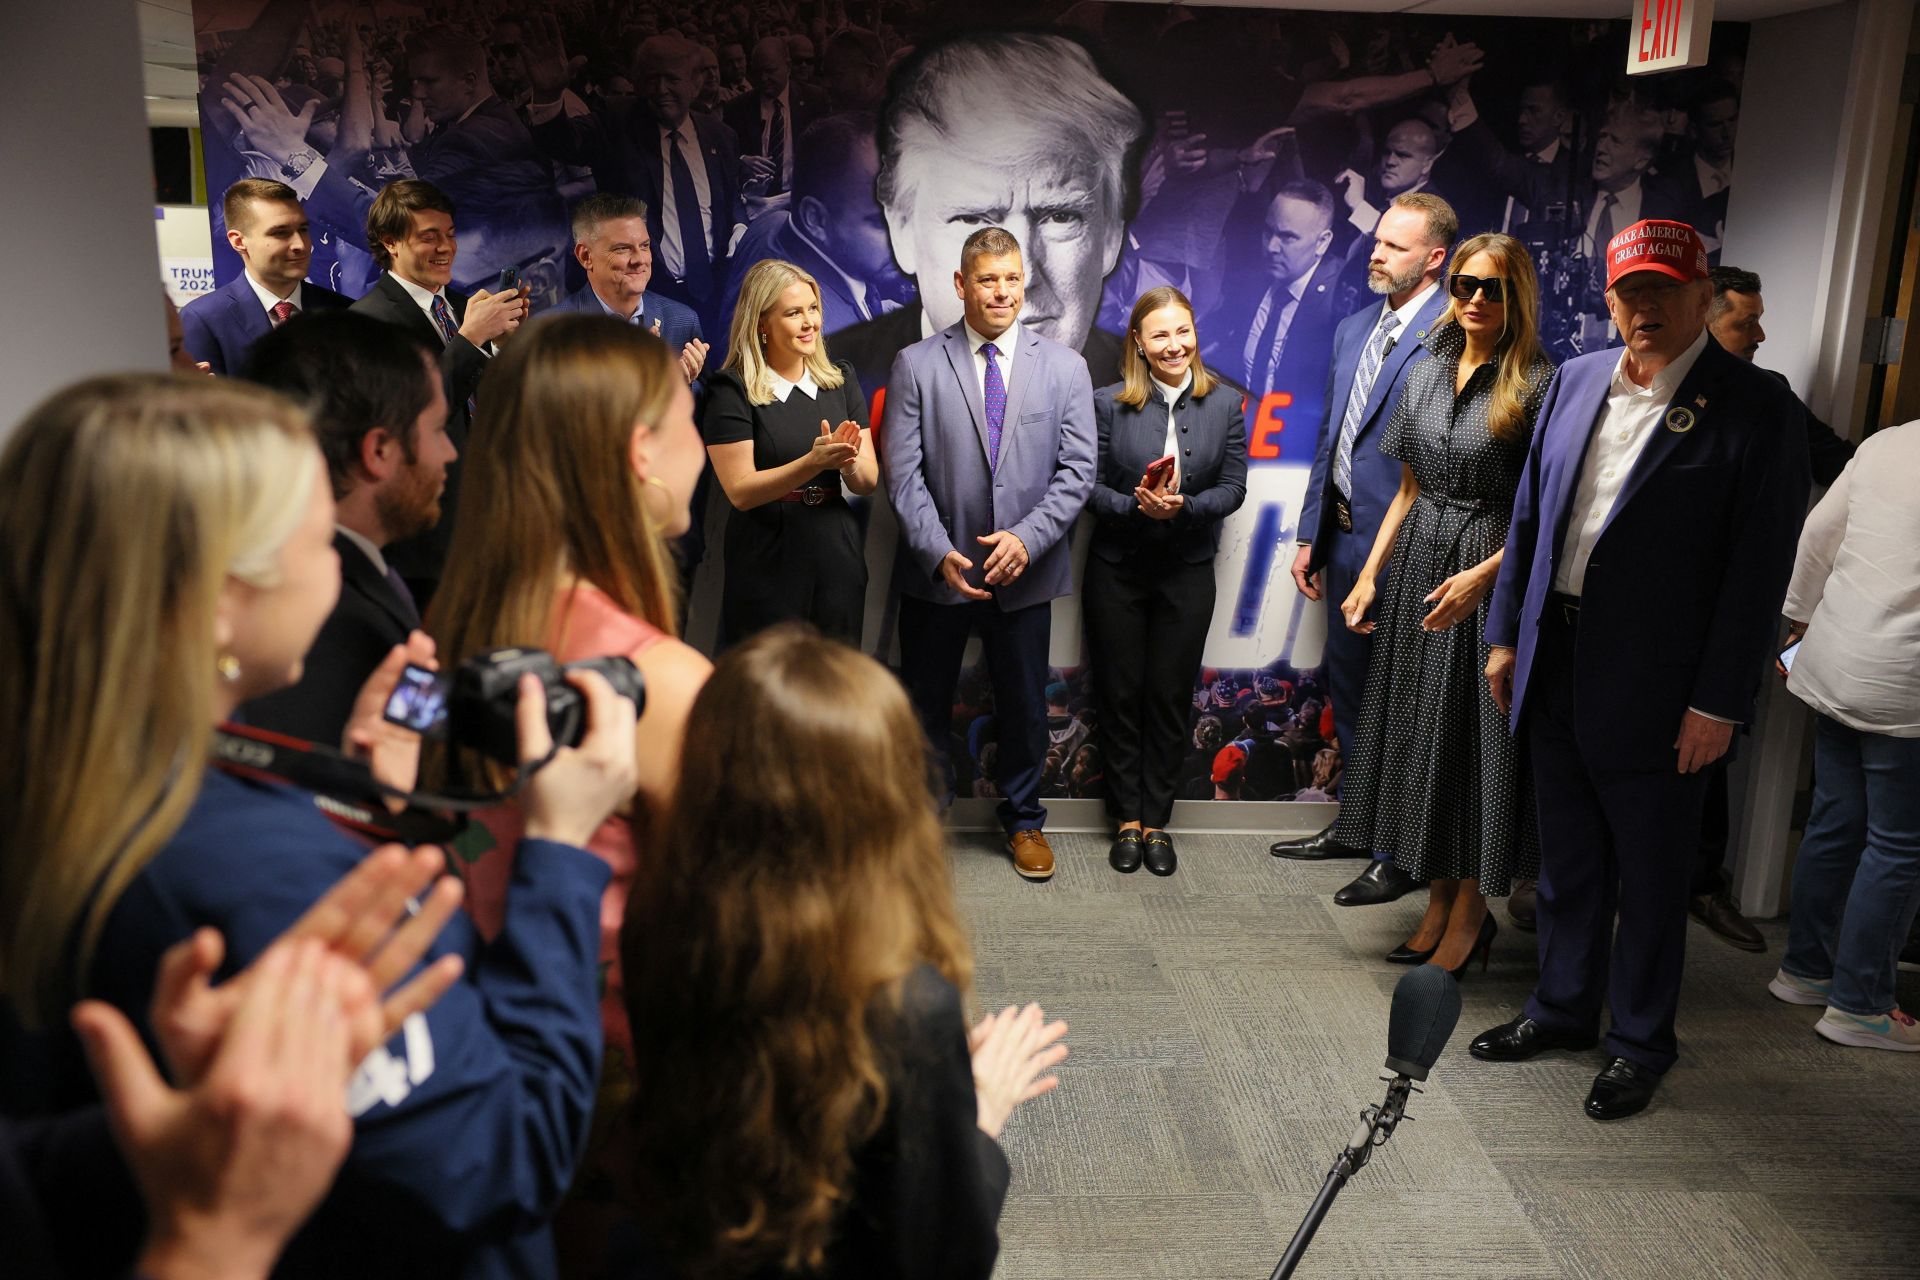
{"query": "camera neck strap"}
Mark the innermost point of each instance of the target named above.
(345, 790)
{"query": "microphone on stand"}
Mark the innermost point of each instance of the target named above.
(1426, 1005)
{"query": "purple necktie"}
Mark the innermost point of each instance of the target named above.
(400, 589)
(996, 398)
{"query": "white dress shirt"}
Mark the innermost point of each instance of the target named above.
(1255, 361)
(673, 255)
(366, 546)
(1632, 414)
(423, 299)
(1856, 582)
(782, 388)
(268, 302)
(1712, 180)
(1626, 212)
(1004, 345)
(766, 127)
(639, 312)
(1171, 394)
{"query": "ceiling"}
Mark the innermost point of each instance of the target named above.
(166, 32)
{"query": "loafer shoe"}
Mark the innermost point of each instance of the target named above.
(1522, 1038)
(1893, 1030)
(1032, 855)
(1523, 905)
(1160, 857)
(1380, 882)
(1123, 855)
(1315, 848)
(1717, 912)
(1622, 1089)
(1794, 989)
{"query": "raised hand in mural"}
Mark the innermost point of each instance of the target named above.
(265, 123)
(544, 52)
(1452, 61)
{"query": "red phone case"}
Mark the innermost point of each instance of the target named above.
(1158, 471)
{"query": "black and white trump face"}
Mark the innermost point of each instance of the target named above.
(1064, 211)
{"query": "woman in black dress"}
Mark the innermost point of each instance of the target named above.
(809, 1100)
(1148, 594)
(793, 547)
(1434, 779)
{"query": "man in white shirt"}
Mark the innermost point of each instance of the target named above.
(268, 229)
(1638, 599)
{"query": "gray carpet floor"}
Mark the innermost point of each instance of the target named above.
(1229, 1022)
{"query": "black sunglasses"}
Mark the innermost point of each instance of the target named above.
(1464, 287)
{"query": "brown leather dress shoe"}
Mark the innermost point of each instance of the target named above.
(1523, 905)
(1717, 912)
(1032, 855)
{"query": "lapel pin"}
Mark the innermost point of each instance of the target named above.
(1699, 402)
(1680, 421)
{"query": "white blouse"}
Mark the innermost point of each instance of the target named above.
(1856, 583)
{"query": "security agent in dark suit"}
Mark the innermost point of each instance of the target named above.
(268, 229)
(1278, 333)
(410, 227)
(686, 167)
(380, 413)
(768, 121)
(1352, 482)
(1059, 175)
(1149, 587)
(1539, 177)
(1638, 600)
(1734, 321)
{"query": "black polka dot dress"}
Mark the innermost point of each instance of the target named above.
(1435, 781)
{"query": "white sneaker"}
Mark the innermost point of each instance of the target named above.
(1797, 990)
(1895, 1030)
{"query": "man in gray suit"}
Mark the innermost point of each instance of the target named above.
(989, 444)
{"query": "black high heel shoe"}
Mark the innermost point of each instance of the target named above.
(1482, 947)
(1404, 954)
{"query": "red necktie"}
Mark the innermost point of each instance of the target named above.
(282, 312)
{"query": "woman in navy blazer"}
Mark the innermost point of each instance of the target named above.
(1149, 584)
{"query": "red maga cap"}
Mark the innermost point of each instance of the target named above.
(1655, 244)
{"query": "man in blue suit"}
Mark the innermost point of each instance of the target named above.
(1352, 482)
(268, 229)
(989, 444)
(613, 246)
(1637, 603)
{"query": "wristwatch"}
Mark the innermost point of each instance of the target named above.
(299, 162)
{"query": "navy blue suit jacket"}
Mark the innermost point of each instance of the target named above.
(1376, 477)
(677, 323)
(1681, 601)
(222, 326)
(1213, 471)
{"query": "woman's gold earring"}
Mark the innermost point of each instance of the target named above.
(657, 522)
(228, 666)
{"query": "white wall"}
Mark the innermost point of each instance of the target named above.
(1813, 160)
(76, 213)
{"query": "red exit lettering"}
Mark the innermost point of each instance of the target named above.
(1264, 441)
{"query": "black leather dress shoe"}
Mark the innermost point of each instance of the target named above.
(1522, 1038)
(1380, 882)
(1315, 848)
(1160, 857)
(1124, 854)
(1623, 1089)
(1717, 912)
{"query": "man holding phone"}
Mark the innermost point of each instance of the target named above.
(410, 228)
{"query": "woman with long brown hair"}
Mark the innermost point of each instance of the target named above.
(581, 464)
(1149, 583)
(810, 1100)
(1434, 780)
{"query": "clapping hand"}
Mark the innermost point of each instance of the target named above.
(693, 357)
(832, 450)
(847, 433)
(1011, 1051)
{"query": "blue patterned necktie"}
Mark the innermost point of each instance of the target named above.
(996, 400)
(1371, 358)
(443, 317)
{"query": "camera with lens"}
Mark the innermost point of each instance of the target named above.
(477, 705)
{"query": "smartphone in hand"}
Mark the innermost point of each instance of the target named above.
(1159, 472)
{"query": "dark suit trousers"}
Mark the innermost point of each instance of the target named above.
(1611, 840)
(1146, 626)
(933, 639)
(1347, 651)
(1716, 825)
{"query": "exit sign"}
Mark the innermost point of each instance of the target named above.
(1668, 34)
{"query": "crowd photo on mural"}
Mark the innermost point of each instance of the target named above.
(1243, 156)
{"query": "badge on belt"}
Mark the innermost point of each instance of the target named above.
(1343, 514)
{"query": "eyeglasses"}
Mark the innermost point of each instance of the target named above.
(1464, 287)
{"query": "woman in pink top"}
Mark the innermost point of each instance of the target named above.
(580, 466)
